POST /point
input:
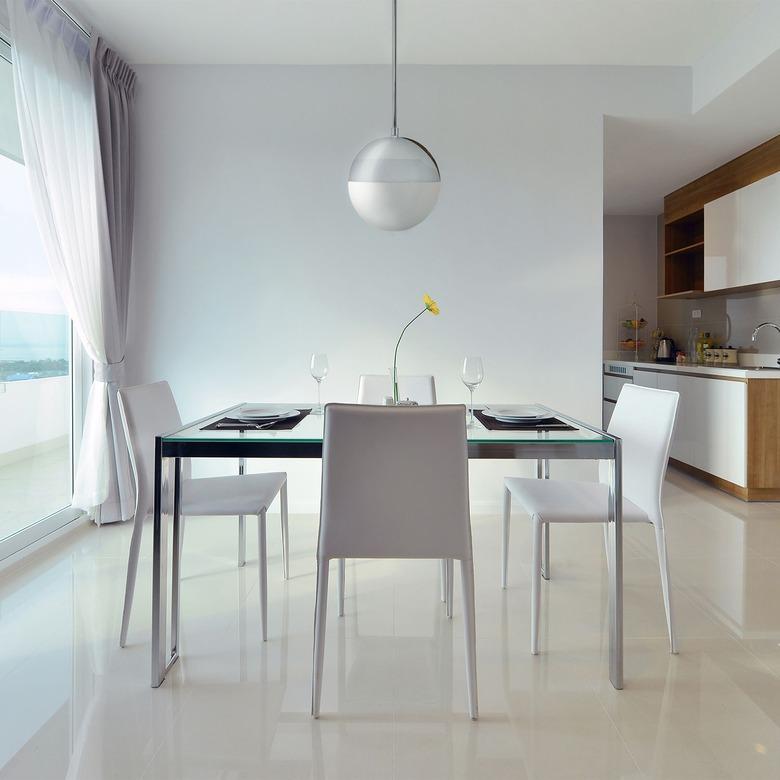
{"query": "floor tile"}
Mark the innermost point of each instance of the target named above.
(394, 693)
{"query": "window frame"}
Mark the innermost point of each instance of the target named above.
(35, 534)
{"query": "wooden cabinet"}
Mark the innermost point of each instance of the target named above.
(684, 254)
(722, 231)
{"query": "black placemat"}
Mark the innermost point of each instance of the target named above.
(232, 424)
(547, 424)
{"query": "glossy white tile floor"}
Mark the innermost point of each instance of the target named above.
(73, 705)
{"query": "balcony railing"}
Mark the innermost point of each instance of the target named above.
(35, 460)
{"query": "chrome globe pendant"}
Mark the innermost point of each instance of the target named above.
(394, 181)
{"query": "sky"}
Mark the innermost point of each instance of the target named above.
(25, 281)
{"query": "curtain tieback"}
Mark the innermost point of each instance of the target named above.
(111, 373)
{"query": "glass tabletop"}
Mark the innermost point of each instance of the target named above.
(310, 429)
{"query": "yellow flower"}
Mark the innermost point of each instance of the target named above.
(430, 304)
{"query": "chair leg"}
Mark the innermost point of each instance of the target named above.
(505, 536)
(241, 541)
(663, 565)
(320, 615)
(342, 585)
(443, 580)
(469, 627)
(536, 581)
(263, 573)
(450, 585)
(285, 532)
(132, 571)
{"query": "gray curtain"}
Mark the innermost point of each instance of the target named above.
(114, 86)
(74, 100)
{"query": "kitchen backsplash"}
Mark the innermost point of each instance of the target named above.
(730, 320)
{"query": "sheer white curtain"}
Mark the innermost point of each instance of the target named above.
(55, 98)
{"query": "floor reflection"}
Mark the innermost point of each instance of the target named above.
(394, 698)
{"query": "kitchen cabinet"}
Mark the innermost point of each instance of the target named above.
(714, 436)
(727, 431)
(646, 378)
(712, 422)
(721, 221)
(742, 236)
(759, 231)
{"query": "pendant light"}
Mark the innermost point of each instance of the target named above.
(394, 181)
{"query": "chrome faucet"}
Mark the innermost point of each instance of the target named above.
(764, 325)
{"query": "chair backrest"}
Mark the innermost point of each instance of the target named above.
(644, 419)
(394, 483)
(373, 388)
(147, 411)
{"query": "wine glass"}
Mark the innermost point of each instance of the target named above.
(472, 374)
(319, 370)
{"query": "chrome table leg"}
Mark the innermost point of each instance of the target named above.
(176, 566)
(241, 523)
(159, 574)
(616, 569)
(543, 472)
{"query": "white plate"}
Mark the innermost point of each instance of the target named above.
(516, 413)
(265, 413)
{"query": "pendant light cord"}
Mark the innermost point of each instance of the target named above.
(395, 57)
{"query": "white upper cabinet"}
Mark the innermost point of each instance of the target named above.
(759, 231)
(721, 231)
(742, 236)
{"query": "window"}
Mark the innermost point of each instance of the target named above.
(36, 360)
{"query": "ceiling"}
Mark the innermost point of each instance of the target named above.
(539, 32)
(645, 159)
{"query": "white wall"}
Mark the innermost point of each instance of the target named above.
(630, 272)
(248, 255)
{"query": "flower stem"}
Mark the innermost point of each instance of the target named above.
(395, 355)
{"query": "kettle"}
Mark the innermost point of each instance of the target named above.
(665, 350)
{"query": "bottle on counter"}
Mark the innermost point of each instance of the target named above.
(693, 336)
(702, 345)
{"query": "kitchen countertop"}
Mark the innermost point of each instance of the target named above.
(734, 372)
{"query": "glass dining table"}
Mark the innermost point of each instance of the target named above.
(578, 441)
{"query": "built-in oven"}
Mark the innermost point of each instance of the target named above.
(615, 376)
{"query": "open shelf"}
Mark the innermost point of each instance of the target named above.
(689, 248)
(684, 255)
(684, 231)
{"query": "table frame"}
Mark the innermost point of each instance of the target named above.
(167, 448)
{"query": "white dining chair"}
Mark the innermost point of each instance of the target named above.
(394, 485)
(374, 388)
(644, 419)
(150, 410)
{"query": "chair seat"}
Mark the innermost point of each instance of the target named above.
(562, 501)
(246, 494)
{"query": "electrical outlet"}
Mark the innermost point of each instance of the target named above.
(696, 314)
